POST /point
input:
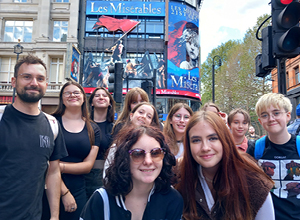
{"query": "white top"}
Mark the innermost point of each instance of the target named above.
(181, 149)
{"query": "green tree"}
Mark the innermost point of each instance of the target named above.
(236, 84)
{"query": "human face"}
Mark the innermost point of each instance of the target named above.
(206, 148)
(148, 170)
(239, 125)
(101, 99)
(179, 120)
(251, 130)
(137, 101)
(30, 83)
(72, 96)
(275, 121)
(142, 116)
(192, 48)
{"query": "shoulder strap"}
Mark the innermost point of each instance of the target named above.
(104, 196)
(2, 108)
(298, 130)
(298, 144)
(53, 124)
(260, 145)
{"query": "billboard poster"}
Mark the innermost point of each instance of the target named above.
(183, 49)
(125, 8)
(75, 63)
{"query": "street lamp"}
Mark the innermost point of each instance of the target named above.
(18, 49)
(213, 76)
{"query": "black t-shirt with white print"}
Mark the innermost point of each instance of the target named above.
(282, 163)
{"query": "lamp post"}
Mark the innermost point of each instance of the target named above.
(213, 76)
(18, 49)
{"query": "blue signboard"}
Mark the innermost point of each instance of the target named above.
(125, 8)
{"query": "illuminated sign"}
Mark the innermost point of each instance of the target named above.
(125, 8)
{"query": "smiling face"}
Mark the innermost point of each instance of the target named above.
(142, 116)
(179, 121)
(31, 82)
(239, 125)
(147, 171)
(206, 148)
(275, 121)
(101, 99)
(72, 96)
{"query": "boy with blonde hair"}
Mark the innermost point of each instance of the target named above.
(280, 148)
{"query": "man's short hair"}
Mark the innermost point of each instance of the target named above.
(275, 99)
(29, 59)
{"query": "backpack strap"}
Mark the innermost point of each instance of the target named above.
(298, 144)
(104, 196)
(260, 145)
(298, 130)
(2, 109)
(53, 124)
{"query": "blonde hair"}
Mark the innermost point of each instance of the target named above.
(274, 99)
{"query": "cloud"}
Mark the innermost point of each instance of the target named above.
(221, 21)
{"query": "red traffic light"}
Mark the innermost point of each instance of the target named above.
(285, 2)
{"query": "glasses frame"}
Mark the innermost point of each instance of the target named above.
(157, 159)
(181, 116)
(268, 116)
(71, 93)
(31, 77)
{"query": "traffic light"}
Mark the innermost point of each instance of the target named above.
(259, 71)
(268, 62)
(160, 111)
(147, 87)
(116, 81)
(285, 28)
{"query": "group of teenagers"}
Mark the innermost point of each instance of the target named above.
(197, 165)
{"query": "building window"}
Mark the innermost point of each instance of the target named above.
(20, 0)
(56, 71)
(60, 31)
(6, 69)
(15, 30)
(297, 76)
(60, 0)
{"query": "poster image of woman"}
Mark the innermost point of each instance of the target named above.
(184, 45)
(75, 69)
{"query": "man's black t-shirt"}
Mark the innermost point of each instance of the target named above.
(26, 146)
(282, 163)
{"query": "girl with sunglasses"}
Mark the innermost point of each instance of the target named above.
(138, 181)
(218, 182)
(142, 114)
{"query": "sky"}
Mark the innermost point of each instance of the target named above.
(224, 20)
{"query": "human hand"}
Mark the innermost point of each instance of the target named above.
(69, 202)
(224, 116)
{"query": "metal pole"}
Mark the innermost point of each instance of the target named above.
(213, 82)
(154, 87)
(14, 89)
(281, 75)
(213, 75)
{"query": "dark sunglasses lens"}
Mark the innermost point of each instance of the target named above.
(157, 154)
(138, 155)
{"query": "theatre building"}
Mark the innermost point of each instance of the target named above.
(82, 39)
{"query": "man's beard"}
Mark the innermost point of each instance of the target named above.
(31, 97)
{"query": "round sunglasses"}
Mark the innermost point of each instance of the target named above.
(138, 155)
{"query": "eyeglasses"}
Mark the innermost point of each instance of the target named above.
(28, 77)
(178, 117)
(75, 93)
(138, 155)
(276, 115)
